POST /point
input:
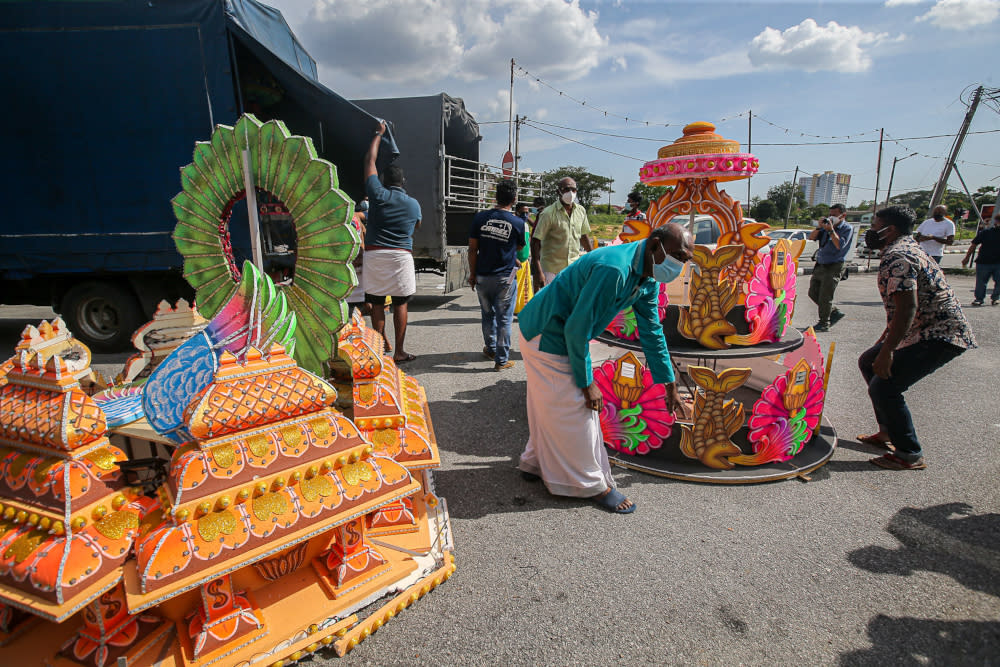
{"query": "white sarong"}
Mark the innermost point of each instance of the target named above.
(388, 273)
(565, 446)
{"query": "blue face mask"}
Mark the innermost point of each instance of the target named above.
(363, 206)
(668, 269)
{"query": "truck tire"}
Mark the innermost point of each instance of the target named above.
(102, 315)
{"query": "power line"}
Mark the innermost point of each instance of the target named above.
(799, 143)
(596, 148)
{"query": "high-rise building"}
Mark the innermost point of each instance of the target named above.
(826, 188)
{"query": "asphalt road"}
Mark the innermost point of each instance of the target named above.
(859, 566)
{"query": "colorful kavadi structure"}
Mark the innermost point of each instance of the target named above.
(756, 386)
(221, 504)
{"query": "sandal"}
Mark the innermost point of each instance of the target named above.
(893, 462)
(405, 360)
(875, 440)
(611, 500)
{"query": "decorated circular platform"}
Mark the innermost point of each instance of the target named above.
(755, 387)
(791, 340)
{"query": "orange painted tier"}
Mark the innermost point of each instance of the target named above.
(281, 527)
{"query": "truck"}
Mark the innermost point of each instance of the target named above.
(106, 101)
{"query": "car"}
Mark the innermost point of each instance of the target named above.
(812, 247)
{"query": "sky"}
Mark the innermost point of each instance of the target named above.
(809, 72)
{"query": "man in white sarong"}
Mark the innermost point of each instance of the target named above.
(565, 447)
(388, 269)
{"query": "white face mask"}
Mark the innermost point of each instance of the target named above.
(568, 197)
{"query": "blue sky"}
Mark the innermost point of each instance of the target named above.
(832, 69)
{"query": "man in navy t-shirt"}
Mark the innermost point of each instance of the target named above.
(988, 262)
(388, 269)
(494, 239)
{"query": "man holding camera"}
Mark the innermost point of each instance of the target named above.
(835, 236)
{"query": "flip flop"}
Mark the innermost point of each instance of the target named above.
(893, 462)
(407, 359)
(876, 441)
(611, 500)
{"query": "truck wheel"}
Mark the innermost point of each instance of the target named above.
(102, 315)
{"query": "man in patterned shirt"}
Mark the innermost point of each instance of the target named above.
(926, 329)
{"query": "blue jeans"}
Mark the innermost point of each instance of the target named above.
(909, 364)
(983, 274)
(496, 301)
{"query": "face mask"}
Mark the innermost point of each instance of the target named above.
(939, 217)
(875, 239)
(667, 270)
(568, 197)
(363, 206)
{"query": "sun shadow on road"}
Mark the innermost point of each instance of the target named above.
(951, 540)
(948, 539)
(918, 641)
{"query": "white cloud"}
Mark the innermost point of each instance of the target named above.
(813, 47)
(962, 14)
(421, 41)
(657, 67)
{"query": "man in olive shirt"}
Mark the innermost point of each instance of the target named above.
(562, 228)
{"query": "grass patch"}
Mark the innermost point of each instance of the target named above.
(604, 226)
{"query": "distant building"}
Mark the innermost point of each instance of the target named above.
(826, 188)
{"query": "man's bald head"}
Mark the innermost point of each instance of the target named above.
(940, 210)
(674, 239)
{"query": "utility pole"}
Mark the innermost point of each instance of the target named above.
(510, 106)
(610, 190)
(979, 215)
(942, 184)
(892, 174)
(749, 150)
(878, 169)
(791, 195)
(517, 142)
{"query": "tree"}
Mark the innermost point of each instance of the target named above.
(650, 193)
(985, 195)
(780, 194)
(818, 211)
(763, 210)
(589, 187)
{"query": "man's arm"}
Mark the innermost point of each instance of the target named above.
(834, 236)
(473, 257)
(971, 251)
(654, 346)
(906, 309)
(536, 264)
(591, 303)
(372, 153)
(585, 233)
(948, 239)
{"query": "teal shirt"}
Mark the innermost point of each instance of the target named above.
(580, 303)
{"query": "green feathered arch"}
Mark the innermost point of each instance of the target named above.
(288, 167)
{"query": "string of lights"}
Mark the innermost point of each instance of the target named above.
(802, 133)
(523, 73)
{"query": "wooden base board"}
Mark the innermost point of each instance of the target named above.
(133, 652)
